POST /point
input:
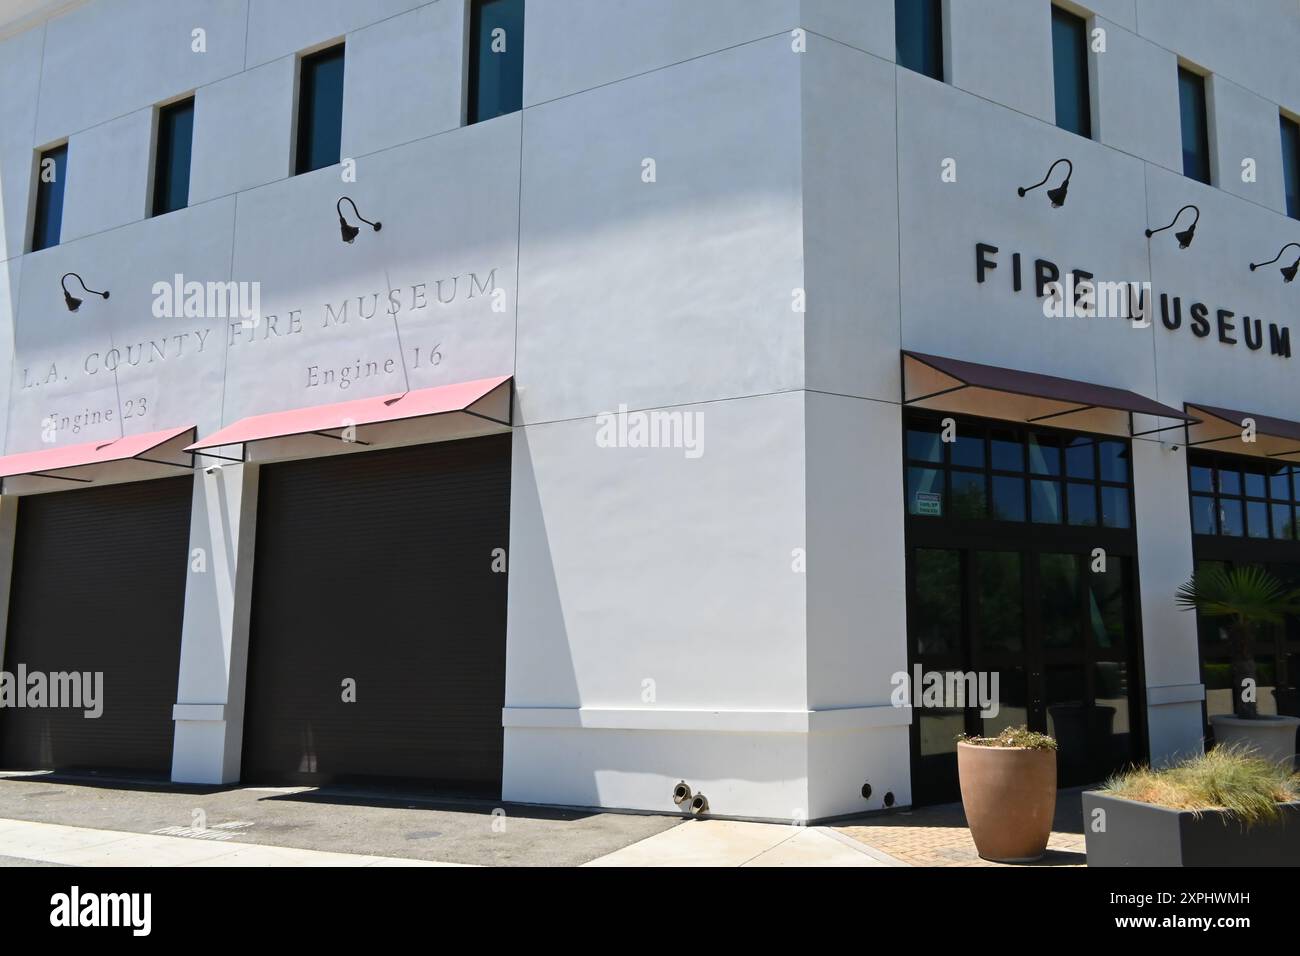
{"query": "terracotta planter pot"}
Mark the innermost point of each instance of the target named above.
(1009, 795)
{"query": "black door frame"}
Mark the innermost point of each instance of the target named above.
(1026, 538)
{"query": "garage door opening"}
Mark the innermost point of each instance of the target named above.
(377, 643)
(98, 588)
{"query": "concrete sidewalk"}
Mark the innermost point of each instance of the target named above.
(695, 843)
(734, 843)
(23, 842)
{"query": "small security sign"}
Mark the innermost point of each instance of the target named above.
(929, 503)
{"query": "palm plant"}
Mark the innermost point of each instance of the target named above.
(1244, 598)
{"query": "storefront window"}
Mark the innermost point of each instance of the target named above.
(1244, 513)
(1004, 523)
(1007, 474)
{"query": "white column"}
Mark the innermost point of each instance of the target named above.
(209, 710)
(1172, 659)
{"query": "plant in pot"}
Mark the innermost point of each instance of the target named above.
(1008, 790)
(1245, 599)
(1228, 807)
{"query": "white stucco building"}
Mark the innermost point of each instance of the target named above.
(740, 226)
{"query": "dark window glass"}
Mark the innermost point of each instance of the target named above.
(1081, 503)
(968, 449)
(320, 110)
(1008, 498)
(925, 492)
(1196, 129)
(1291, 165)
(1114, 507)
(171, 172)
(968, 495)
(1279, 482)
(918, 35)
(1229, 481)
(1283, 522)
(1114, 460)
(1058, 597)
(1256, 487)
(1107, 611)
(51, 173)
(1045, 503)
(1079, 462)
(1257, 519)
(1204, 515)
(1013, 702)
(1044, 456)
(1202, 478)
(1070, 71)
(496, 58)
(1000, 616)
(924, 443)
(1231, 521)
(1007, 450)
(936, 613)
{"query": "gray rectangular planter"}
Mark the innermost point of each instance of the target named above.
(1142, 834)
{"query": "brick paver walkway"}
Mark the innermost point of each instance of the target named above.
(938, 836)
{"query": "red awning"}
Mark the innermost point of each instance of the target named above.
(318, 419)
(91, 453)
(934, 381)
(1224, 429)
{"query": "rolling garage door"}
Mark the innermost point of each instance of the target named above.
(375, 569)
(99, 586)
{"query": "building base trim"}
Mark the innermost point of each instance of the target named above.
(1175, 694)
(708, 721)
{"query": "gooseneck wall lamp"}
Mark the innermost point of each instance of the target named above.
(1288, 272)
(1057, 193)
(72, 301)
(1187, 235)
(348, 230)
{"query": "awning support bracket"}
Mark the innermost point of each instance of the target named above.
(42, 474)
(946, 391)
(346, 441)
(173, 464)
(487, 418)
(1068, 411)
(208, 454)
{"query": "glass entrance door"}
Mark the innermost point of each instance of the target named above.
(1022, 615)
(1043, 638)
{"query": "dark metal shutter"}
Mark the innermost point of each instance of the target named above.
(377, 566)
(99, 585)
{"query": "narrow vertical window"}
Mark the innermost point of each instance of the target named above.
(1196, 127)
(496, 59)
(51, 172)
(918, 36)
(1070, 70)
(171, 170)
(1291, 165)
(320, 110)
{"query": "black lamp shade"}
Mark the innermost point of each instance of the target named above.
(1057, 194)
(349, 232)
(1289, 272)
(1186, 236)
(72, 301)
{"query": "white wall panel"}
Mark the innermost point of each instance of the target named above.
(106, 59)
(405, 78)
(674, 291)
